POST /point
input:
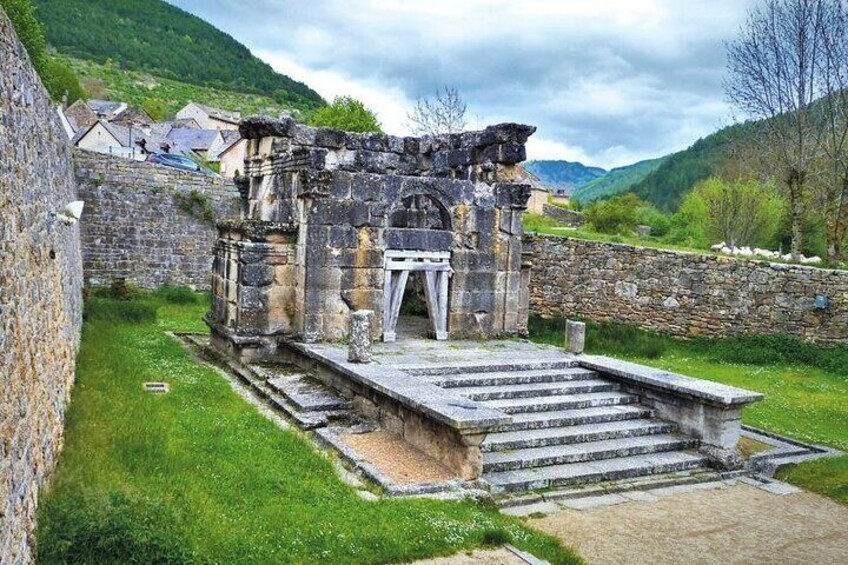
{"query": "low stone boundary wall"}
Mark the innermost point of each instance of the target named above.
(563, 216)
(685, 294)
(147, 223)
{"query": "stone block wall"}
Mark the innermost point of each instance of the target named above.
(685, 294)
(347, 199)
(148, 223)
(40, 293)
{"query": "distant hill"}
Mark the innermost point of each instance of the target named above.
(666, 186)
(564, 173)
(165, 41)
(618, 180)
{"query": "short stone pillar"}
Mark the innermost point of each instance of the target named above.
(575, 337)
(359, 336)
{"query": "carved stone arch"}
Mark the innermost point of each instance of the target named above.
(421, 211)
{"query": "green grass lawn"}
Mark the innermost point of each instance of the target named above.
(198, 475)
(805, 387)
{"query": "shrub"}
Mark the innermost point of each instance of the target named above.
(348, 114)
(111, 528)
(650, 216)
(173, 294)
(741, 213)
(615, 215)
(119, 311)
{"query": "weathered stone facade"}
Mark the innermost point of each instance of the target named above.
(321, 209)
(685, 294)
(40, 293)
(148, 223)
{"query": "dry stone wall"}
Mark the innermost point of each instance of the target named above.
(149, 224)
(40, 293)
(685, 294)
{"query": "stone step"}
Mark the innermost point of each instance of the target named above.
(513, 377)
(561, 418)
(524, 439)
(307, 394)
(593, 472)
(584, 452)
(464, 368)
(535, 390)
(563, 402)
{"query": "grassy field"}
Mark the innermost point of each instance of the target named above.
(198, 475)
(805, 387)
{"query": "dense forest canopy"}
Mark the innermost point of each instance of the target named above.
(158, 38)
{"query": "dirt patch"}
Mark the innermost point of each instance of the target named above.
(738, 524)
(398, 460)
(749, 447)
(488, 557)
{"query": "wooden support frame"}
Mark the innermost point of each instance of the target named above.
(436, 269)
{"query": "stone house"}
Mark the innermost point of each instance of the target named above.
(210, 118)
(129, 142)
(230, 157)
(204, 142)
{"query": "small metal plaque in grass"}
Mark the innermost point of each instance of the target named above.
(157, 387)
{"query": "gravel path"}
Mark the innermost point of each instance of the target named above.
(736, 524)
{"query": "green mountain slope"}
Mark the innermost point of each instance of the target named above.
(618, 180)
(679, 173)
(163, 97)
(160, 39)
(564, 173)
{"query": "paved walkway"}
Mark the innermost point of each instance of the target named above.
(735, 524)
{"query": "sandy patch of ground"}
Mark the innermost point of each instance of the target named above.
(737, 524)
(401, 462)
(499, 556)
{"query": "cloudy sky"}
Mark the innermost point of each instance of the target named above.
(607, 82)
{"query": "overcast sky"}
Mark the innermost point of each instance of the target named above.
(607, 82)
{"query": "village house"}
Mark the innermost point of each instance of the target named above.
(130, 142)
(210, 118)
(230, 157)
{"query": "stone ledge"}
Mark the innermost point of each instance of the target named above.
(442, 405)
(706, 392)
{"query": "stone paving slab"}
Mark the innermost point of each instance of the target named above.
(739, 524)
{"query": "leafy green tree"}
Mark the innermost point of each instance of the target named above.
(60, 81)
(740, 213)
(617, 215)
(29, 30)
(348, 114)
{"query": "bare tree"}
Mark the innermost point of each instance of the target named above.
(774, 76)
(443, 113)
(830, 116)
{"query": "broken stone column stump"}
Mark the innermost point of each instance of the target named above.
(359, 334)
(575, 337)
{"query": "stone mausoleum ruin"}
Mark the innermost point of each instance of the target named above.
(337, 230)
(336, 222)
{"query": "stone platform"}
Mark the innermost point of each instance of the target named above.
(517, 416)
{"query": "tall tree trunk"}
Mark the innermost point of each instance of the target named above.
(840, 225)
(796, 201)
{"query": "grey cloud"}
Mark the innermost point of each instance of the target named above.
(663, 76)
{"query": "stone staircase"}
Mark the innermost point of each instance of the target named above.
(570, 426)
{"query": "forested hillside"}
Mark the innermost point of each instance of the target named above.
(618, 180)
(564, 173)
(679, 173)
(160, 39)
